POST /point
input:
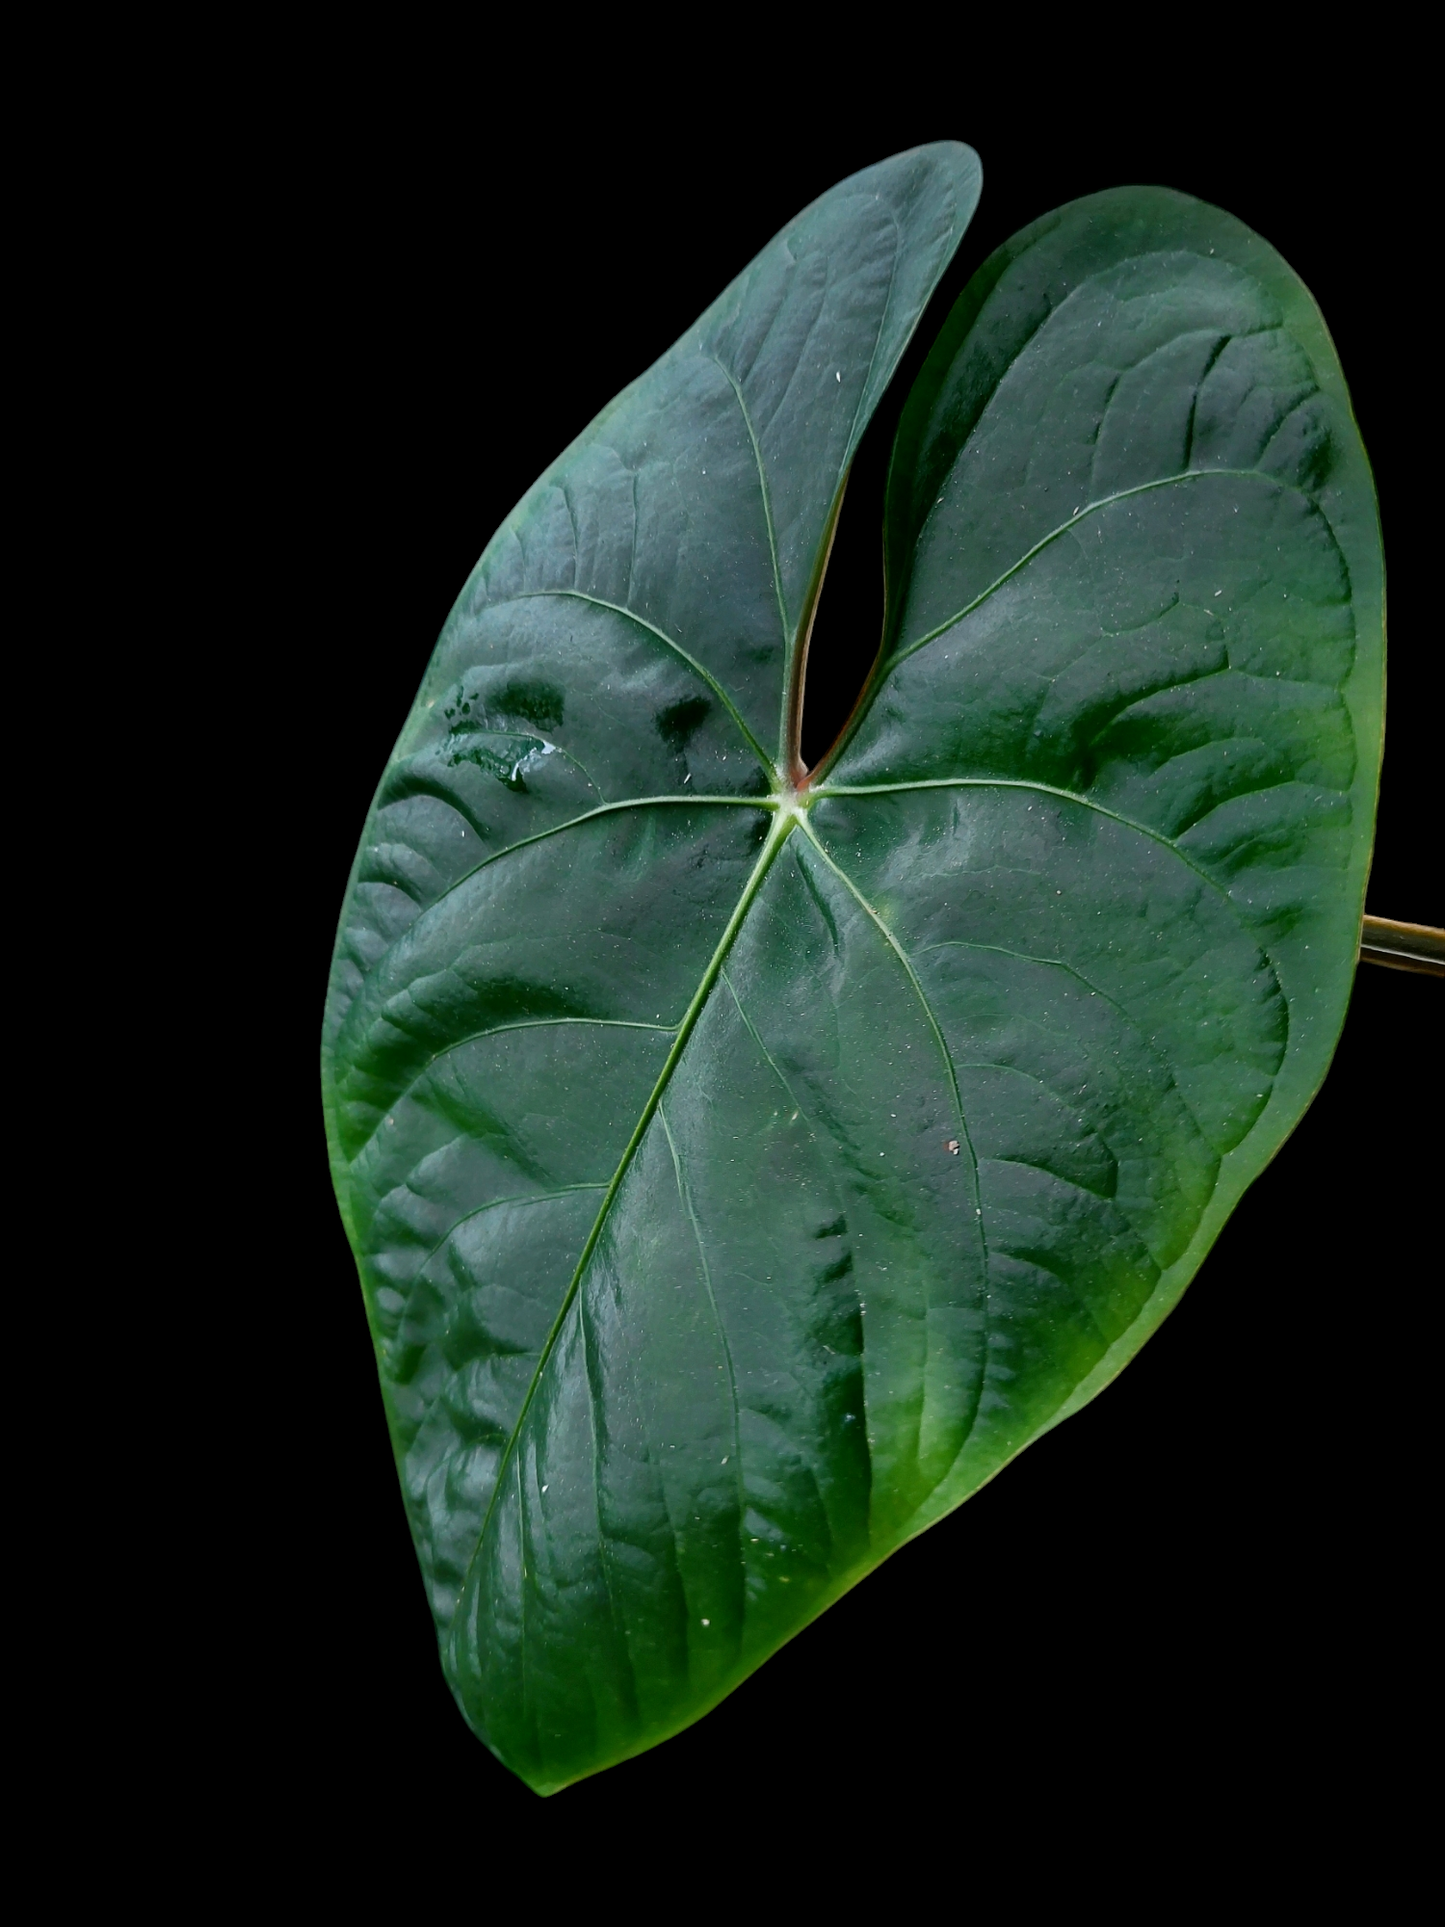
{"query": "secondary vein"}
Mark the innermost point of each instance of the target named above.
(496, 1204)
(767, 501)
(499, 1030)
(1066, 796)
(571, 823)
(1089, 508)
(906, 962)
(685, 1194)
(631, 615)
(902, 955)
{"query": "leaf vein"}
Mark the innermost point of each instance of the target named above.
(497, 1030)
(587, 816)
(631, 615)
(1089, 508)
(1066, 796)
(942, 1042)
(736, 1454)
(781, 830)
(767, 501)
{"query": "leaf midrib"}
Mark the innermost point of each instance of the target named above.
(782, 828)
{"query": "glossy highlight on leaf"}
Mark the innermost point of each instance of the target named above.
(743, 1165)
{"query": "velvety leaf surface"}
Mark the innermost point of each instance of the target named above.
(741, 1173)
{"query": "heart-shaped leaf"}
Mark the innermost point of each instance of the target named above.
(742, 1168)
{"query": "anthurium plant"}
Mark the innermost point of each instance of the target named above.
(744, 1161)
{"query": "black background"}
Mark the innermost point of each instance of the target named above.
(1195, 1611)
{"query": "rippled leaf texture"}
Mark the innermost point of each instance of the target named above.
(739, 1173)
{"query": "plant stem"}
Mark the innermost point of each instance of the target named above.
(1403, 946)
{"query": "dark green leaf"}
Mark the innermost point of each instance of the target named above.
(741, 1172)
